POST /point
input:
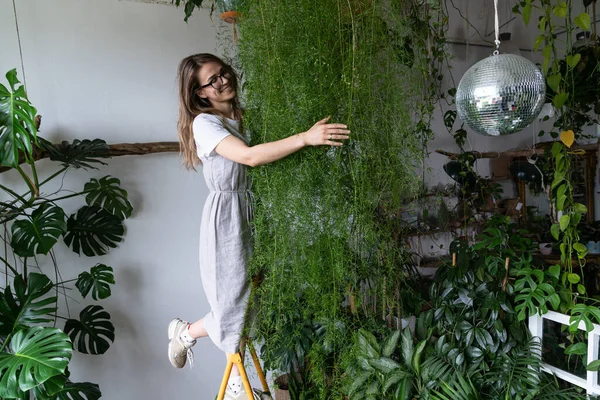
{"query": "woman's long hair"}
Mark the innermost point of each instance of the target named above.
(191, 104)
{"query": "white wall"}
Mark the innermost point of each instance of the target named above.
(106, 69)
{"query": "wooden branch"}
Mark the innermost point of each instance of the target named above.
(117, 150)
(513, 152)
(131, 149)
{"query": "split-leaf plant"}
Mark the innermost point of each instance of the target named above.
(34, 352)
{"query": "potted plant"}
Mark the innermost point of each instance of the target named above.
(229, 10)
(34, 355)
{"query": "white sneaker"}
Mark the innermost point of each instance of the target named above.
(179, 348)
(235, 391)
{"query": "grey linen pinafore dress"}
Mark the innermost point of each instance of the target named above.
(225, 235)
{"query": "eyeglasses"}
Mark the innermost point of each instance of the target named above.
(217, 81)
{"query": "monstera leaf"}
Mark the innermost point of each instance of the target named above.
(93, 230)
(107, 194)
(17, 126)
(36, 355)
(60, 388)
(29, 304)
(97, 280)
(90, 335)
(38, 233)
(79, 154)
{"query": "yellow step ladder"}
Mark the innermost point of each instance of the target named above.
(238, 359)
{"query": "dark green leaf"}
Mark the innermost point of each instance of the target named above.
(38, 234)
(93, 230)
(449, 118)
(68, 390)
(79, 154)
(98, 280)
(91, 334)
(107, 193)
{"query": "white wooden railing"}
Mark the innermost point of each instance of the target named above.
(590, 384)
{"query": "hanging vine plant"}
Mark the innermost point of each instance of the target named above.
(325, 222)
(566, 71)
(573, 82)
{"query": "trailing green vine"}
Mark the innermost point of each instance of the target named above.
(569, 76)
(561, 78)
(327, 229)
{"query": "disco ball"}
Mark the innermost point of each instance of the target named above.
(500, 95)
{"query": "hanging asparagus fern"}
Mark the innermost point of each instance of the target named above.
(327, 219)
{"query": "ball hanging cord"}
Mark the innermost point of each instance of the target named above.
(531, 158)
(497, 28)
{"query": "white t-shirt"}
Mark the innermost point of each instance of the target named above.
(209, 130)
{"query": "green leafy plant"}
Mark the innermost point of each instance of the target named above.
(396, 368)
(515, 375)
(34, 354)
(479, 306)
(326, 219)
(572, 77)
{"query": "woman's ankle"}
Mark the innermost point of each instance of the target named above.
(197, 330)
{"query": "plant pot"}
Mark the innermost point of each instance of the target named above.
(282, 391)
(229, 10)
(545, 248)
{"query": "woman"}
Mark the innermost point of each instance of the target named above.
(210, 134)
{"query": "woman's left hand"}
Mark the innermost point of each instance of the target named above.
(323, 133)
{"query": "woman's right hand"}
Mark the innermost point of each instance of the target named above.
(323, 133)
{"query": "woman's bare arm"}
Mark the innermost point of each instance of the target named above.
(320, 134)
